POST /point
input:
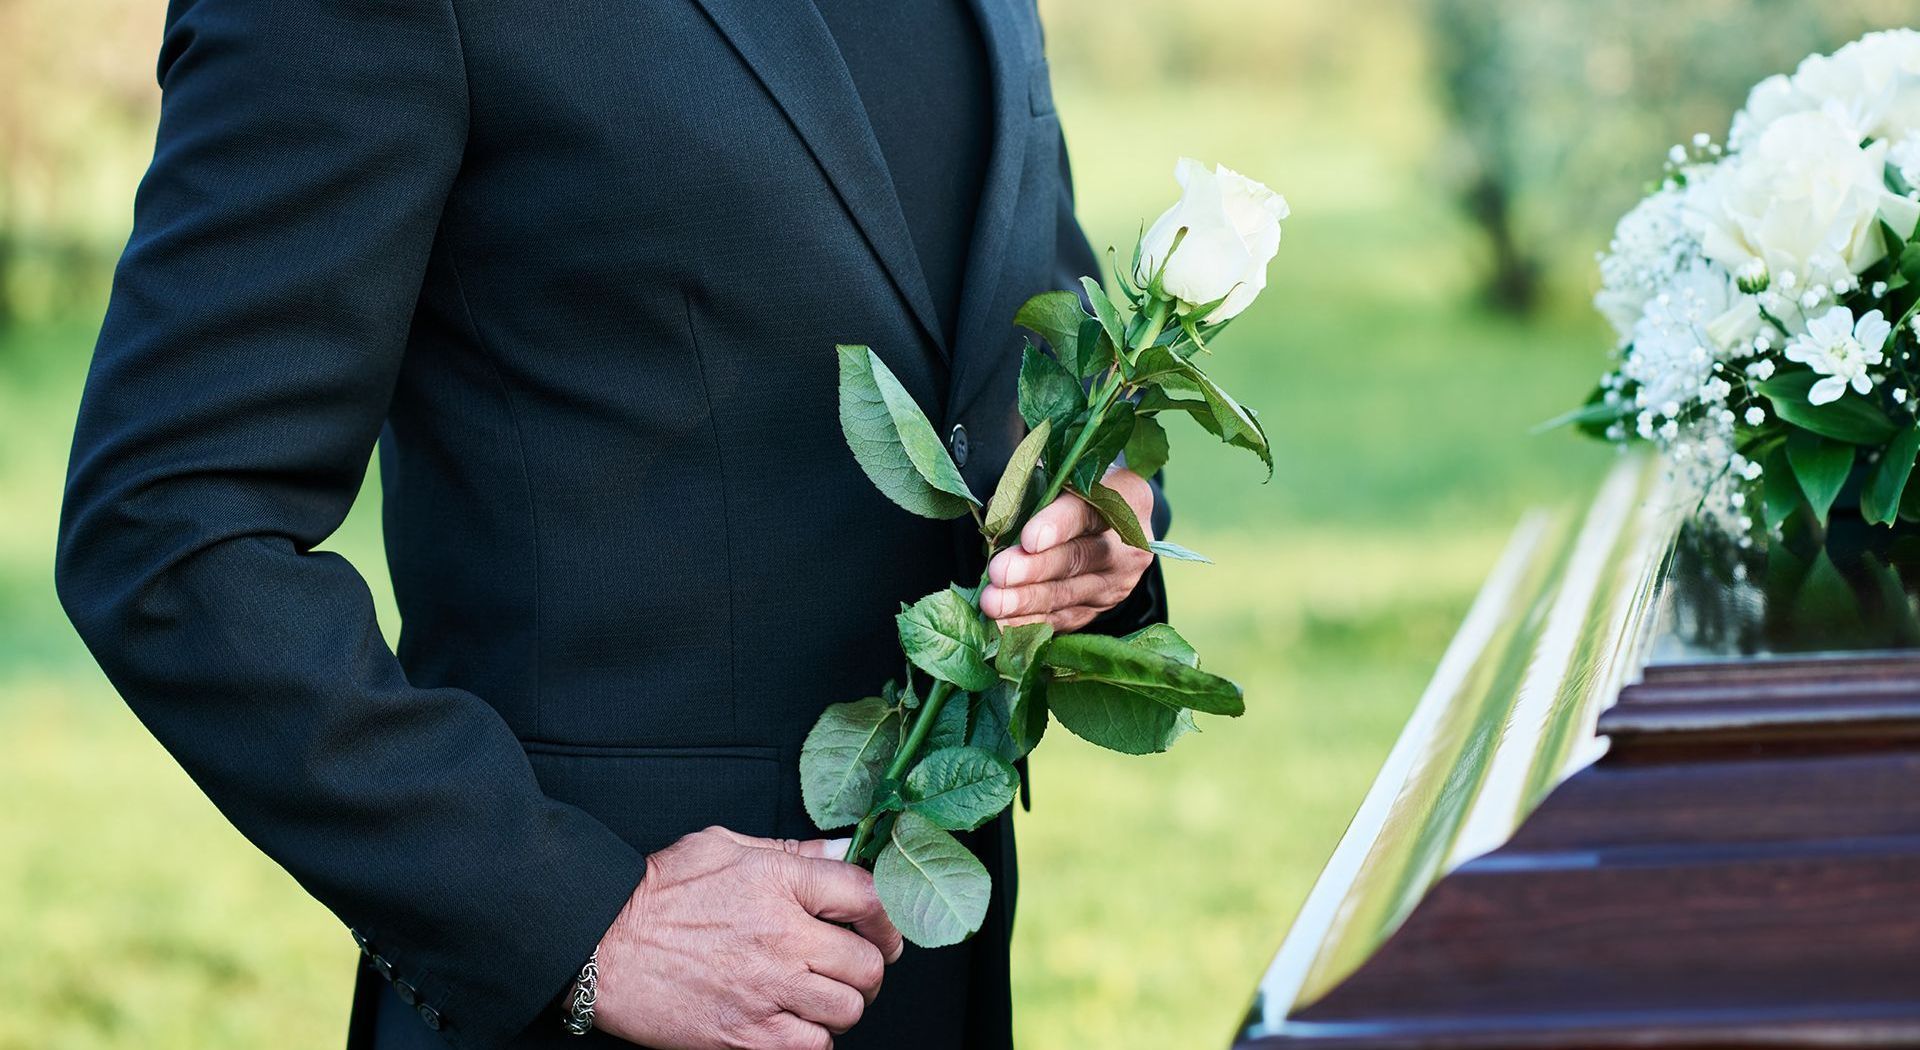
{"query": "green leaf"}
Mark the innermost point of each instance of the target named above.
(933, 889)
(944, 636)
(1216, 410)
(961, 788)
(1020, 647)
(1118, 514)
(1104, 309)
(1163, 639)
(1010, 495)
(1147, 448)
(949, 725)
(1097, 353)
(1891, 238)
(1234, 421)
(843, 759)
(1159, 368)
(1821, 465)
(1177, 552)
(1018, 662)
(1048, 392)
(1114, 718)
(1591, 418)
(1779, 492)
(1116, 427)
(1027, 714)
(1910, 261)
(893, 441)
(1910, 504)
(988, 713)
(1880, 499)
(1139, 667)
(1853, 418)
(1056, 317)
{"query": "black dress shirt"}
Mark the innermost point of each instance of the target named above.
(921, 69)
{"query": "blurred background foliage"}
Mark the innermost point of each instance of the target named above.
(1452, 165)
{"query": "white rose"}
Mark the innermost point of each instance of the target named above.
(1802, 200)
(1771, 99)
(1233, 231)
(1871, 86)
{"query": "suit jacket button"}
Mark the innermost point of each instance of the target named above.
(957, 443)
(386, 968)
(361, 940)
(430, 1016)
(405, 992)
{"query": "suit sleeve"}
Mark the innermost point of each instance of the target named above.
(257, 322)
(1074, 257)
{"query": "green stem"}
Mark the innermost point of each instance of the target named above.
(1155, 321)
(909, 750)
(922, 726)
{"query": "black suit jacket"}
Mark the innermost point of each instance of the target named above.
(580, 269)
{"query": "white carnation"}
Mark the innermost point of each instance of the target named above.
(1870, 86)
(1803, 201)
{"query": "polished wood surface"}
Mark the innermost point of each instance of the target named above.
(1729, 856)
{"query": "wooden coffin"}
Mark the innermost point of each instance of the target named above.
(1662, 791)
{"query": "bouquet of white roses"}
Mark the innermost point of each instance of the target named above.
(932, 753)
(1765, 296)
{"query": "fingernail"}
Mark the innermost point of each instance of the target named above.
(836, 849)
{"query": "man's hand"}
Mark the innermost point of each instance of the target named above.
(1069, 567)
(730, 941)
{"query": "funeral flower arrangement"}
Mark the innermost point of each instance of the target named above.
(932, 753)
(1765, 297)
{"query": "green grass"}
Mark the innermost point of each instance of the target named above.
(1153, 891)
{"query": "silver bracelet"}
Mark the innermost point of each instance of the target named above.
(579, 1014)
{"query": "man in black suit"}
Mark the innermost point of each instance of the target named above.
(579, 269)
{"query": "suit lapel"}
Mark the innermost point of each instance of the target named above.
(789, 48)
(979, 332)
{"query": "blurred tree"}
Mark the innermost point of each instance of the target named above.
(77, 96)
(1474, 65)
(1560, 111)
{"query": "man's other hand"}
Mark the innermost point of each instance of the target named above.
(734, 941)
(1069, 567)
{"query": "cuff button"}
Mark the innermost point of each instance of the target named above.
(430, 1016)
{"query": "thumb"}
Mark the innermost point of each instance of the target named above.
(824, 849)
(815, 849)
